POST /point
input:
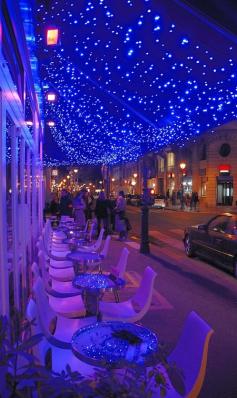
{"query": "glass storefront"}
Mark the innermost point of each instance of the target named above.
(225, 190)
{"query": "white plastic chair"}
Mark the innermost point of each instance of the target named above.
(57, 341)
(70, 307)
(135, 308)
(53, 287)
(190, 354)
(120, 268)
(190, 357)
(95, 246)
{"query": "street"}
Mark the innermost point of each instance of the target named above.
(185, 284)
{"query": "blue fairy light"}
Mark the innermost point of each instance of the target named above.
(129, 77)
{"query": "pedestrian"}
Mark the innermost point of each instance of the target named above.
(101, 212)
(54, 206)
(120, 216)
(79, 207)
(195, 200)
(65, 204)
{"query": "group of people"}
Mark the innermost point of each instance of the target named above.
(109, 213)
(185, 199)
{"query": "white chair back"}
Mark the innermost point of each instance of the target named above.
(45, 313)
(190, 353)
(95, 247)
(104, 252)
(121, 266)
(92, 229)
(143, 295)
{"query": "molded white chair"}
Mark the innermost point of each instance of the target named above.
(63, 270)
(135, 308)
(190, 356)
(95, 246)
(57, 333)
(69, 307)
(53, 287)
(120, 268)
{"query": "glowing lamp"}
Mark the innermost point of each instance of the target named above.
(75, 170)
(135, 175)
(152, 191)
(52, 36)
(29, 123)
(182, 165)
(51, 97)
(113, 179)
(51, 123)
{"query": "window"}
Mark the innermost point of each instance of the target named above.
(161, 165)
(203, 152)
(170, 160)
(203, 186)
(219, 224)
(224, 150)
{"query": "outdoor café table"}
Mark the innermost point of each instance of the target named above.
(86, 259)
(93, 287)
(115, 344)
(75, 243)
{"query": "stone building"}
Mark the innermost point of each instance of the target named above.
(209, 168)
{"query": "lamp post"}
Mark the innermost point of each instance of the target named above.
(182, 167)
(145, 203)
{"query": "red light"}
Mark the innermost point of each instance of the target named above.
(224, 168)
(52, 36)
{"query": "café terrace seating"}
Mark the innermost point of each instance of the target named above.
(59, 311)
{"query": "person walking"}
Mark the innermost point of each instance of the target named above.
(120, 216)
(65, 204)
(79, 207)
(101, 211)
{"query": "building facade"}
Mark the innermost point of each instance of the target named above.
(21, 159)
(207, 166)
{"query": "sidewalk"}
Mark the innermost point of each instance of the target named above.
(201, 209)
(183, 285)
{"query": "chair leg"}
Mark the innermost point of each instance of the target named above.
(116, 296)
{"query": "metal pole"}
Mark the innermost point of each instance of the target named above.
(146, 201)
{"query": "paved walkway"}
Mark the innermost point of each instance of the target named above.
(183, 285)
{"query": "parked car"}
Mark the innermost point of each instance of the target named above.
(159, 202)
(134, 200)
(216, 241)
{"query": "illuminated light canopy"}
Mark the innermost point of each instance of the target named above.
(122, 95)
(52, 36)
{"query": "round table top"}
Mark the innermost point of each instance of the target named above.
(99, 282)
(74, 241)
(83, 256)
(116, 344)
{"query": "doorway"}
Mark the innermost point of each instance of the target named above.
(225, 191)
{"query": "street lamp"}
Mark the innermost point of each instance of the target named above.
(182, 167)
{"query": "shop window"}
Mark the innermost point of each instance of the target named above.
(203, 152)
(170, 160)
(161, 165)
(203, 187)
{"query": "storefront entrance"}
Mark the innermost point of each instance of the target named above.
(225, 191)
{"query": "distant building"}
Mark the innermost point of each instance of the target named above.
(209, 168)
